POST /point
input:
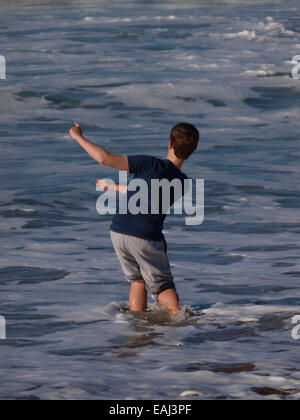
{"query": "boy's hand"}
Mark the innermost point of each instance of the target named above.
(76, 131)
(105, 185)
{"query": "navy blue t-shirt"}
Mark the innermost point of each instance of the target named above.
(147, 226)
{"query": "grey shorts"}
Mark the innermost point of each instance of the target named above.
(145, 260)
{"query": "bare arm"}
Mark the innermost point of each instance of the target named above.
(98, 153)
(106, 185)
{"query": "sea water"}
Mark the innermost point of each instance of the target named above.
(128, 71)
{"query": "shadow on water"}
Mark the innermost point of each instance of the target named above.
(30, 275)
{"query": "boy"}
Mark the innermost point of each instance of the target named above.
(138, 240)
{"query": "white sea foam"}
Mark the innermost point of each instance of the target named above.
(136, 19)
(259, 31)
(192, 393)
(26, 210)
(248, 35)
(260, 73)
(240, 312)
(91, 19)
(171, 17)
(274, 28)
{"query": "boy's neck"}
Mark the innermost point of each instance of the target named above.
(177, 162)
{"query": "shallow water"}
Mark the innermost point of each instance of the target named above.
(129, 72)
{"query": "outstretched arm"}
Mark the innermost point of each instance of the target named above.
(106, 185)
(98, 153)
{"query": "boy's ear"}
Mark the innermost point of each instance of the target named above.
(170, 145)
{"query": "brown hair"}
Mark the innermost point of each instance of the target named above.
(185, 139)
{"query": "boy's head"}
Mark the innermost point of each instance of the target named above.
(184, 140)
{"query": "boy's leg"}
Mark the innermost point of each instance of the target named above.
(138, 296)
(138, 292)
(169, 298)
